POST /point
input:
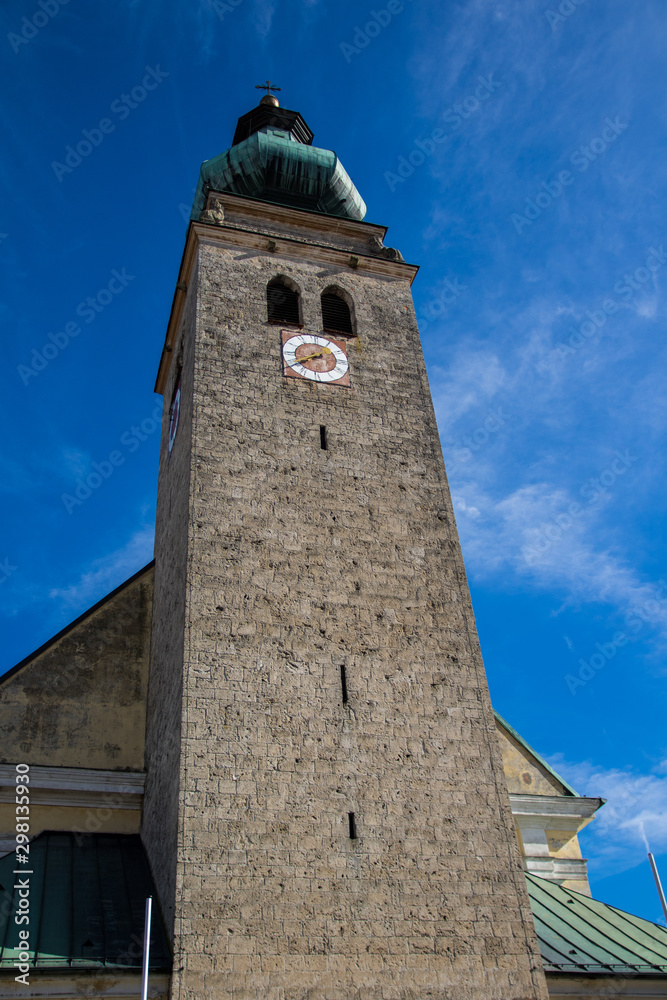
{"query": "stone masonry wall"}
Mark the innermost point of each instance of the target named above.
(302, 561)
(165, 687)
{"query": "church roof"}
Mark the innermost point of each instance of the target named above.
(87, 904)
(272, 167)
(579, 935)
(272, 159)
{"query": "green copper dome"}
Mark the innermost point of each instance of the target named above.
(276, 163)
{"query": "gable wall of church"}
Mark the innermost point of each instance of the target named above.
(80, 702)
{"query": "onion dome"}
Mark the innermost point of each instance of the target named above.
(272, 159)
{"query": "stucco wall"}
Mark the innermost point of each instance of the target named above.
(80, 702)
(523, 774)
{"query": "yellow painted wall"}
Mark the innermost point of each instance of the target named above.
(523, 773)
(563, 846)
(525, 776)
(100, 820)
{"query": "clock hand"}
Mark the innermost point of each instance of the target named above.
(309, 357)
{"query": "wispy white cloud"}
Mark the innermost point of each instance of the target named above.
(633, 820)
(538, 487)
(471, 382)
(263, 16)
(108, 572)
(535, 534)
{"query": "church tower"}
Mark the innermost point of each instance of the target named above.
(325, 812)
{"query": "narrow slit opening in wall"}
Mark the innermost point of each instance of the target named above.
(343, 683)
(323, 437)
(353, 826)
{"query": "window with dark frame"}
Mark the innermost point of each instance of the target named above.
(336, 316)
(282, 303)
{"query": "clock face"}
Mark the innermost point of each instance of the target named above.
(319, 359)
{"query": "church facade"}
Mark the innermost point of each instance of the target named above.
(283, 729)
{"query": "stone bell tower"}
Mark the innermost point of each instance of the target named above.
(325, 812)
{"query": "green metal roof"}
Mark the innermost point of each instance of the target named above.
(540, 760)
(87, 902)
(273, 167)
(581, 935)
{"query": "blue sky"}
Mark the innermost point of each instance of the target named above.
(516, 153)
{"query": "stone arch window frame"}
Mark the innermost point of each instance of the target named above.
(288, 282)
(341, 293)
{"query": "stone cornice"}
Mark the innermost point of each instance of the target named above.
(76, 786)
(268, 216)
(556, 806)
(556, 869)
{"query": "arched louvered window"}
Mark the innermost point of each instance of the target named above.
(336, 317)
(282, 302)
